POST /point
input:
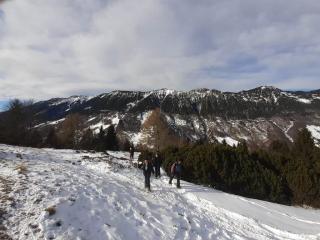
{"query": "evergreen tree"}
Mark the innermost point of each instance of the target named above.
(87, 140)
(15, 123)
(126, 145)
(302, 171)
(52, 139)
(111, 139)
(99, 141)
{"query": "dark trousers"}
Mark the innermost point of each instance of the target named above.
(147, 181)
(157, 171)
(178, 175)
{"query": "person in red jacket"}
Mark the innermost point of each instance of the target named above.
(176, 171)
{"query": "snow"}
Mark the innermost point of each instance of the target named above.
(315, 132)
(96, 127)
(92, 118)
(268, 87)
(70, 100)
(230, 141)
(135, 138)
(275, 99)
(116, 120)
(287, 131)
(144, 116)
(56, 122)
(304, 100)
(99, 196)
(50, 123)
(180, 122)
(165, 92)
(297, 98)
(39, 125)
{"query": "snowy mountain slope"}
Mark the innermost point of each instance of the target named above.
(98, 196)
(315, 132)
(259, 115)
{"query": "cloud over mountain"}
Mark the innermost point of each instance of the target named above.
(60, 48)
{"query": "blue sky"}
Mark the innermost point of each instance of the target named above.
(62, 48)
(3, 104)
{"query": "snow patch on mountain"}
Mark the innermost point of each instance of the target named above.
(285, 128)
(288, 129)
(315, 131)
(142, 117)
(180, 122)
(71, 100)
(230, 141)
(298, 98)
(135, 138)
(50, 123)
(304, 100)
(115, 120)
(96, 127)
(92, 118)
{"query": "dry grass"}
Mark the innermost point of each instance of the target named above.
(51, 210)
(22, 169)
(5, 189)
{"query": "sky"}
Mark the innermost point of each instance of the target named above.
(3, 105)
(72, 47)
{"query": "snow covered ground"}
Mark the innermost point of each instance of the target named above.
(64, 194)
(230, 141)
(315, 132)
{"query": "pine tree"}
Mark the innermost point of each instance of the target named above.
(304, 146)
(111, 139)
(15, 123)
(99, 141)
(87, 140)
(52, 139)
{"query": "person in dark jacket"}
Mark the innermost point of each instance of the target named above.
(176, 171)
(131, 152)
(157, 165)
(147, 169)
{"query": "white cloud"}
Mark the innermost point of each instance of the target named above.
(61, 48)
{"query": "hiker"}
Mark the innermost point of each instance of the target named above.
(157, 165)
(147, 170)
(131, 151)
(176, 170)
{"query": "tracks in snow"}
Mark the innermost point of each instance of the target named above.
(98, 199)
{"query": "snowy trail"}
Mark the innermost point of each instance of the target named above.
(99, 197)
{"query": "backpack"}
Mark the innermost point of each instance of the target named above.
(178, 168)
(173, 168)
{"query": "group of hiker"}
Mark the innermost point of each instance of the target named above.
(153, 165)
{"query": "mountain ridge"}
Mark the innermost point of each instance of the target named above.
(259, 115)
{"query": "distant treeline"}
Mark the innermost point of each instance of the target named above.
(17, 128)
